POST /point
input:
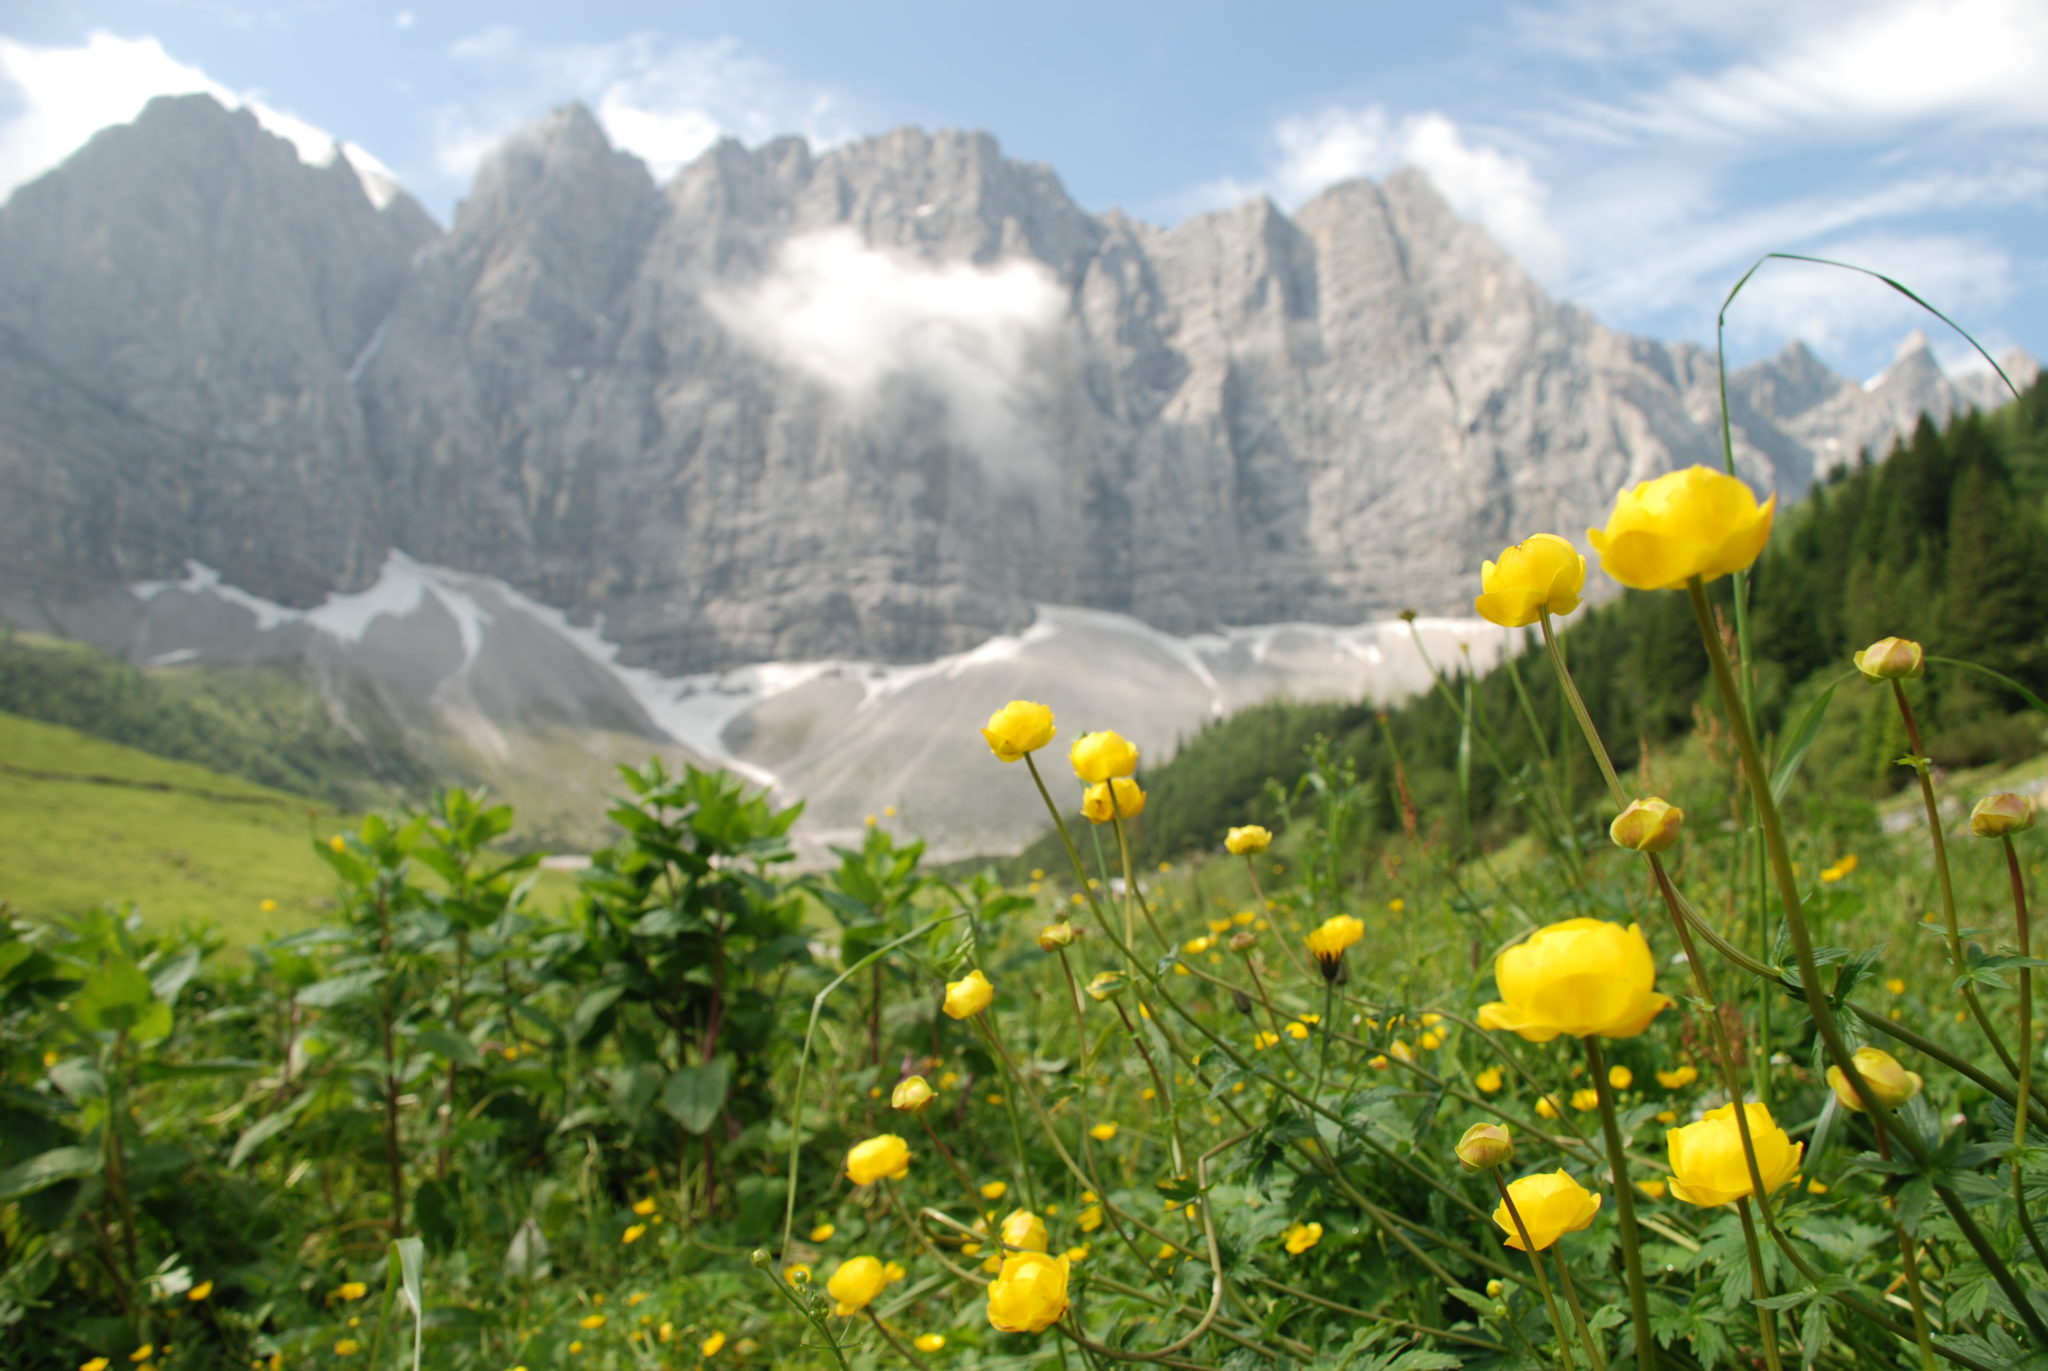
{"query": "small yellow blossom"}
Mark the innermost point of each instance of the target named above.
(1300, 1237)
(1654, 1189)
(592, 1321)
(1584, 1100)
(347, 1347)
(1547, 1107)
(633, 1233)
(1489, 1080)
(1679, 1077)
(930, 1342)
(994, 1190)
(823, 1232)
(1620, 1077)
(200, 1291)
(1103, 1132)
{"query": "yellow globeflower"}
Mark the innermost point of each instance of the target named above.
(1099, 756)
(823, 1232)
(1019, 727)
(592, 1321)
(1540, 573)
(96, 1364)
(711, 1345)
(1551, 1205)
(1695, 522)
(912, 1094)
(1024, 1231)
(1679, 1077)
(1649, 825)
(1891, 1084)
(1577, 978)
(1707, 1165)
(858, 1280)
(930, 1342)
(2001, 816)
(347, 1347)
(1300, 1237)
(1620, 1077)
(1099, 808)
(883, 1157)
(969, 995)
(1331, 938)
(200, 1291)
(352, 1290)
(1585, 1100)
(1892, 659)
(1250, 838)
(1029, 1293)
(1102, 1132)
(633, 1233)
(1488, 1080)
(994, 1190)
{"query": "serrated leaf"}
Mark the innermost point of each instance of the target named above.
(694, 1095)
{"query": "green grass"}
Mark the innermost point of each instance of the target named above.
(89, 821)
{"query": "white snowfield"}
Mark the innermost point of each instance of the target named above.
(491, 685)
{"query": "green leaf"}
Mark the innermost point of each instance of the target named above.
(449, 1046)
(1798, 742)
(695, 1094)
(591, 1008)
(118, 997)
(340, 989)
(43, 1171)
(264, 1130)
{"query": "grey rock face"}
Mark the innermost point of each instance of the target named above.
(180, 304)
(875, 402)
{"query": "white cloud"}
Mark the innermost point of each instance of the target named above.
(68, 94)
(1501, 192)
(404, 19)
(663, 100)
(856, 318)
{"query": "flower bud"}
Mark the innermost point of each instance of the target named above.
(1484, 1147)
(1241, 1002)
(1053, 937)
(1647, 825)
(912, 1094)
(2001, 816)
(1108, 985)
(1890, 1084)
(1891, 659)
(1242, 940)
(759, 1257)
(1251, 838)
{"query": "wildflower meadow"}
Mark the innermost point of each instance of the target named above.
(1671, 1080)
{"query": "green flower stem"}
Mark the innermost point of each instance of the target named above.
(1327, 1029)
(952, 1162)
(1080, 1024)
(1059, 822)
(924, 1239)
(1295, 1292)
(1817, 1005)
(1578, 704)
(1921, 768)
(802, 1307)
(1909, 1261)
(1564, 1339)
(901, 1349)
(1625, 1202)
(1765, 1319)
(1571, 1299)
(1266, 912)
(2026, 1072)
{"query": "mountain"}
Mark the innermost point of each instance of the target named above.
(880, 405)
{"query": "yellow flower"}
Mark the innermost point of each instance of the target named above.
(352, 1290)
(797, 1273)
(1538, 574)
(1099, 808)
(1896, 986)
(1667, 1117)
(1019, 727)
(1485, 1146)
(1551, 1205)
(1488, 1080)
(267, 907)
(347, 1347)
(337, 843)
(593, 1322)
(1090, 1218)
(1707, 1164)
(894, 1271)
(1055, 936)
(644, 1207)
(1298, 1032)
(882, 1157)
(633, 1233)
(858, 1280)
(969, 995)
(1029, 1294)
(1620, 1077)
(143, 1353)
(1650, 825)
(1654, 1189)
(930, 1342)
(1889, 1083)
(1250, 838)
(823, 1232)
(1195, 947)
(711, 1345)
(1579, 977)
(1264, 1039)
(1999, 816)
(1695, 522)
(1102, 1132)
(1679, 1078)
(637, 1297)
(200, 1291)
(1892, 659)
(96, 1364)
(1300, 1237)
(1547, 1107)
(576, 1348)
(1099, 756)
(1585, 1100)
(1024, 1231)
(994, 1190)
(1331, 938)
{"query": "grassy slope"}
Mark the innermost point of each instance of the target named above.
(211, 850)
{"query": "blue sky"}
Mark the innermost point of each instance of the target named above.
(1636, 156)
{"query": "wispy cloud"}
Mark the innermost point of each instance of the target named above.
(1310, 152)
(67, 94)
(664, 100)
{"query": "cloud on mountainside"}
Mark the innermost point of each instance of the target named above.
(664, 100)
(65, 95)
(855, 318)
